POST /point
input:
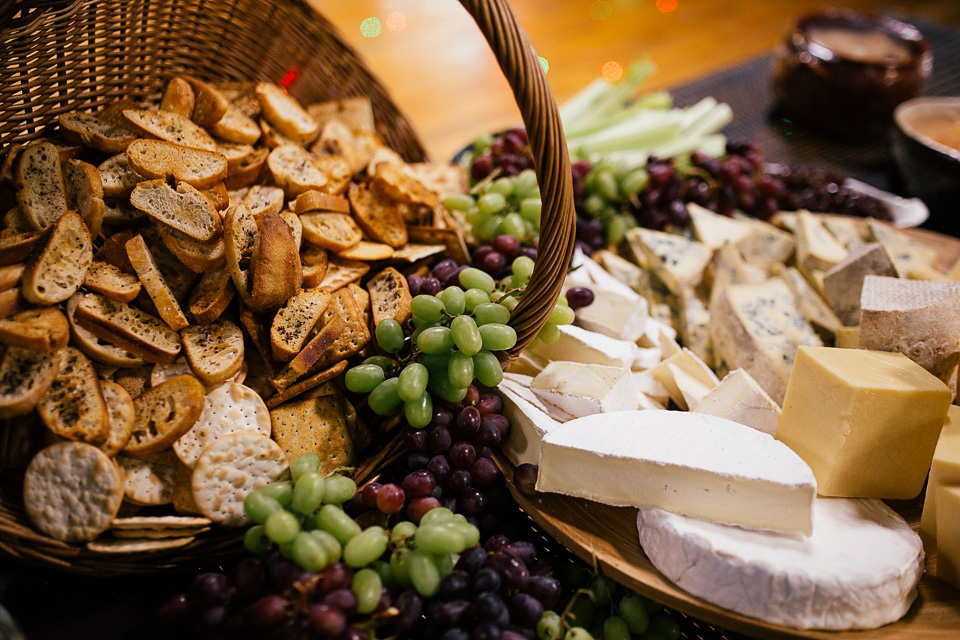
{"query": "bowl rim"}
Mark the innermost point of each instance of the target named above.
(920, 51)
(901, 119)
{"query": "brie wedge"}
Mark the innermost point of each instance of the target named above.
(528, 423)
(579, 345)
(577, 389)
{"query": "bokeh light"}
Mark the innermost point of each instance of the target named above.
(544, 64)
(371, 28)
(666, 6)
(600, 10)
(397, 21)
(612, 71)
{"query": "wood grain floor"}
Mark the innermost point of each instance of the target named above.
(440, 72)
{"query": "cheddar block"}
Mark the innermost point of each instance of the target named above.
(948, 532)
(848, 337)
(944, 471)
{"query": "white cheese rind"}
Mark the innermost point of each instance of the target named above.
(859, 569)
(577, 389)
(615, 315)
(528, 424)
(688, 463)
(579, 345)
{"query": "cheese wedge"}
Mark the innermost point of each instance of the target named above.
(904, 251)
(859, 569)
(820, 316)
(686, 378)
(688, 463)
(767, 246)
(615, 315)
(528, 423)
(844, 229)
(714, 230)
(842, 285)
(944, 472)
(848, 337)
(677, 261)
(948, 535)
(621, 269)
(738, 397)
(577, 389)
(816, 247)
(579, 345)
(693, 326)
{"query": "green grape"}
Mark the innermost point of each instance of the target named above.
(594, 204)
(445, 562)
(403, 530)
(281, 491)
(308, 492)
(577, 633)
(435, 340)
(304, 463)
(614, 628)
(522, 268)
(258, 506)
(491, 313)
(634, 182)
(582, 612)
(412, 381)
(549, 333)
(600, 590)
(423, 327)
(513, 225)
(439, 539)
(286, 550)
(307, 552)
(424, 574)
(437, 515)
(633, 612)
(363, 378)
(389, 335)
(530, 209)
(497, 337)
(366, 547)
(561, 314)
(482, 143)
(400, 567)
(338, 489)
(617, 229)
(367, 586)
(509, 302)
(454, 301)
(491, 203)
(503, 186)
(508, 282)
(550, 626)
(530, 228)
(469, 533)
(384, 400)
(488, 228)
(487, 369)
(526, 184)
(255, 540)
(665, 626)
(473, 278)
(434, 362)
(329, 544)
(419, 412)
(334, 521)
(606, 184)
(427, 308)
(466, 334)
(382, 567)
(281, 526)
(474, 297)
(460, 371)
(441, 385)
(459, 202)
(383, 362)
(652, 606)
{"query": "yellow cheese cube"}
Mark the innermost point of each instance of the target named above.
(848, 337)
(948, 535)
(944, 471)
(866, 422)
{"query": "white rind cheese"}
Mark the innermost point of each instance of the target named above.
(689, 463)
(686, 378)
(579, 345)
(615, 315)
(528, 423)
(859, 569)
(738, 397)
(577, 389)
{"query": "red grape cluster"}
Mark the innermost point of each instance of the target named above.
(445, 273)
(496, 257)
(508, 151)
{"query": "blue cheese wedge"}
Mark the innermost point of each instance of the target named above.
(677, 261)
(693, 328)
(817, 249)
(904, 251)
(845, 230)
(529, 422)
(820, 316)
(728, 268)
(738, 397)
(687, 463)
(767, 246)
(579, 345)
(577, 389)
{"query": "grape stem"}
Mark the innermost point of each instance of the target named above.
(480, 186)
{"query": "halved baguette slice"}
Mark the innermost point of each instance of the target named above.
(214, 351)
(185, 208)
(159, 159)
(218, 196)
(11, 302)
(90, 131)
(114, 251)
(307, 384)
(234, 152)
(338, 173)
(318, 201)
(127, 327)
(293, 170)
(134, 380)
(367, 251)
(178, 97)
(153, 283)
(25, 375)
(249, 171)
(209, 102)
(73, 407)
(295, 321)
(119, 212)
(18, 247)
(275, 270)
(334, 231)
(15, 222)
(109, 280)
(38, 178)
(312, 353)
(85, 193)
(95, 348)
(44, 329)
(377, 215)
(285, 113)
(118, 177)
(113, 112)
(355, 113)
(239, 236)
(272, 138)
(296, 227)
(121, 417)
(171, 127)
(211, 296)
(195, 255)
(56, 272)
(10, 275)
(236, 126)
(261, 199)
(313, 261)
(389, 296)
(164, 413)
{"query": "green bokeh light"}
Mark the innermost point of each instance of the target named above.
(371, 27)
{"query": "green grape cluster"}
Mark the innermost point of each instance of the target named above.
(609, 188)
(422, 556)
(508, 205)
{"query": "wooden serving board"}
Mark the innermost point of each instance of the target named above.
(609, 534)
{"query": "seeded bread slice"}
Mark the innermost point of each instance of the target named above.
(275, 271)
(218, 196)
(334, 231)
(158, 159)
(93, 347)
(293, 170)
(377, 215)
(25, 375)
(211, 296)
(114, 251)
(314, 265)
(311, 354)
(118, 177)
(284, 112)
(296, 227)
(38, 178)
(44, 329)
(153, 283)
(171, 127)
(56, 272)
(178, 97)
(239, 236)
(90, 131)
(214, 351)
(85, 193)
(295, 321)
(164, 413)
(110, 281)
(11, 302)
(185, 209)
(121, 415)
(18, 247)
(197, 256)
(73, 406)
(129, 328)
(389, 296)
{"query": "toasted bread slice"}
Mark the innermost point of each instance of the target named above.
(164, 413)
(153, 283)
(10, 162)
(236, 126)
(258, 333)
(129, 328)
(159, 159)
(341, 272)
(121, 417)
(56, 272)
(85, 193)
(218, 196)
(334, 231)
(362, 296)
(239, 236)
(196, 255)
(295, 321)
(15, 222)
(234, 152)
(285, 113)
(210, 104)
(214, 351)
(211, 296)
(296, 227)
(171, 127)
(377, 215)
(114, 251)
(355, 113)
(38, 177)
(178, 277)
(318, 201)
(396, 183)
(311, 354)
(90, 131)
(18, 247)
(293, 170)
(134, 380)
(73, 406)
(10, 275)
(119, 212)
(261, 199)
(25, 375)
(307, 384)
(93, 347)
(389, 296)
(249, 171)
(355, 335)
(110, 281)
(42, 329)
(118, 177)
(185, 209)
(178, 97)
(367, 251)
(113, 112)
(11, 302)
(272, 138)
(338, 173)
(314, 265)
(275, 269)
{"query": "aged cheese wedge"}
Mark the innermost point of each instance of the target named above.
(693, 327)
(866, 422)
(767, 246)
(905, 252)
(528, 423)
(738, 397)
(677, 261)
(844, 229)
(578, 389)
(859, 569)
(579, 345)
(848, 337)
(688, 463)
(944, 471)
(729, 268)
(843, 283)
(615, 315)
(948, 533)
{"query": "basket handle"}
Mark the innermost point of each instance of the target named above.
(552, 163)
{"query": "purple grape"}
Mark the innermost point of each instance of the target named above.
(517, 634)
(439, 466)
(415, 440)
(336, 576)
(419, 484)
(513, 570)
(579, 297)
(176, 610)
(439, 440)
(410, 606)
(522, 550)
(525, 478)
(481, 166)
(385, 602)
(472, 397)
(485, 472)
(506, 244)
(546, 589)
(454, 278)
(368, 495)
(462, 454)
(441, 417)
(530, 252)
(459, 481)
(468, 420)
(249, 576)
(449, 502)
(524, 610)
(281, 573)
(418, 507)
(455, 633)
(489, 403)
(472, 560)
(210, 589)
(482, 252)
(355, 634)
(326, 620)
(496, 542)
(486, 631)
(485, 452)
(431, 286)
(499, 421)
(486, 579)
(444, 268)
(372, 518)
(449, 614)
(491, 608)
(213, 617)
(343, 599)
(414, 282)
(487, 436)
(417, 461)
(455, 584)
(471, 501)
(678, 213)
(493, 262)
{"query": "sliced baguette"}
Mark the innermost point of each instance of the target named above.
(195, 255)
(314, 265)
(355, 335)
(171, 127)
(55, 272)
(234, 152)
(211, 296)
(178, 277)
(185, 208)
(73, 406)
(249, 171)
(338, 173)
(120, 213)
(10, 275)
(318, 201)
(218, 196)
(272, 138)
(239, 236)
(118, 177)
(259, 335)
(307, 384)
(44, 329)
(295, 321)
(25, 375)
(134, 380)
(362, 296)
(38, 178)
(15, 222)
(293, 170)
(93, 347)
(367, 251)
(214, 351)
(106, 279)
(296, 227)
(129, 328)
(285, 113)
(389, 296)
(114, 251)
(121, 417)
(355, 113)
(333, 231)
(11, 302)
(10, 162)
(261, 199)
(178, 97)
(164, 413)
(113, 112)
(377, 215)
(85, 193)
(236, 126)
(275, 270)
(153, 283)
(90, 131)
(311, 354)
(18, 247)
(341, 272)
(210, 105)
(159, 159)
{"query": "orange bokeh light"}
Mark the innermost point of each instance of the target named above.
(397, 21)
(612, 71)
(666, 6)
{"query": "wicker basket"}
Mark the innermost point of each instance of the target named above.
(58, 56)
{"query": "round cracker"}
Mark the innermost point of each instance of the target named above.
(72, 491)
(147, 483)
(137, 546)
(229, 469)
(158, 534)
(121, 416)
(160, 522)
(229, 408)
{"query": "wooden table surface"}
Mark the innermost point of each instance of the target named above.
(437, 66)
